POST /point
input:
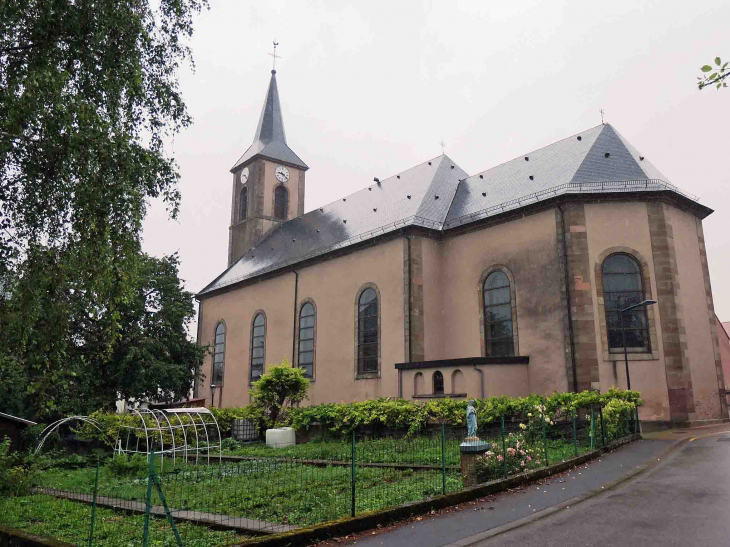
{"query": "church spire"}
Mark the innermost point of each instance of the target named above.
(271, 122)
(270, 138)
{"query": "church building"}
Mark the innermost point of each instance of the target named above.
(437, 283)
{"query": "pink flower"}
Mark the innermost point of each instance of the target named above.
(529, 459)
(499, 458)
(522, 452)
(511, 451)
(522, 464)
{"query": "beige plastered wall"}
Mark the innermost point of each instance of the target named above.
(696, 315)
(510, 380)
(527, 247)
(626, 225)
(333, 286)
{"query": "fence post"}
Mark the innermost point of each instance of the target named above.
(603, 426)
(544, 439)
(148, 500)
(168, 513)
(352, 475)
(593, 428)
(504, 449)
(443, 458)
(93, 504)
(575, 437)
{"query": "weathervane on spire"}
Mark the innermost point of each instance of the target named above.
(602, 113)
(443, 146)
(274, 55)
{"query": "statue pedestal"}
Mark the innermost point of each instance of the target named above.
(470, 449)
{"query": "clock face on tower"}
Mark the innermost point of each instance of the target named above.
(244, 175)
(282, 174)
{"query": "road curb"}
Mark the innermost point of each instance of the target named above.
(498, 530)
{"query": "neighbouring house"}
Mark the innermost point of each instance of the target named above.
(13, 427)
(436, 283)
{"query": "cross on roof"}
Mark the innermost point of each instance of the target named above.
(274, 55)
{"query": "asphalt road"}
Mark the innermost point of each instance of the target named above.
(683, 501)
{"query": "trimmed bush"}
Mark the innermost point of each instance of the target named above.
(399, 414)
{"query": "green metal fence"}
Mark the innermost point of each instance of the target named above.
(269, 490)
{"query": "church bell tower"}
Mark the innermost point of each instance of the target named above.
(268, 181)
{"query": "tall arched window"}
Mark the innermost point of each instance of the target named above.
(219, 354)
(307, 319)
(258, 346)
(623, 287)
(438, 383)
(243, 204)
(367, 332)
(498, 338)
(281, 202)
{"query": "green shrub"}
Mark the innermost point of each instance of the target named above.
(19, 470)
(281, 384)
(74, 461)
(392, 413)
(230, 444)
(128, 465)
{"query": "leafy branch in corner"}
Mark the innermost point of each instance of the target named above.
(719, 72)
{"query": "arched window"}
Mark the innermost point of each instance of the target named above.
(243, 204)
(498, 338)
(258, 346)
(219, 354)
(438, 383)
(623, 287)
(367, 332)
(418, 384)
(306, 339)
(281, 202)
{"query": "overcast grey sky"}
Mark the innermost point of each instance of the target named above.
(371, 88)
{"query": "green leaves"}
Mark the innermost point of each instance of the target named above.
(717, 77)
(89, 94)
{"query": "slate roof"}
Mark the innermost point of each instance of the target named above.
(577, 164)
(270, 138)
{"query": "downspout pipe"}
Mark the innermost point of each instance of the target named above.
(571, 336)
(294, 322)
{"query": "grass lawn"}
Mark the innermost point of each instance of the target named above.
(69, 521)
(269, 490)
(420, 450)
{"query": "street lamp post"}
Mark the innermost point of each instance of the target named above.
(626, 352)
(212, 394)
(623, 333)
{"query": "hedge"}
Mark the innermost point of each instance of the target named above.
(397, 414)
